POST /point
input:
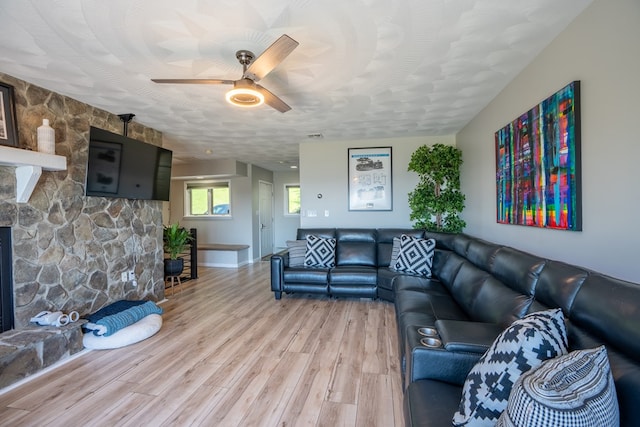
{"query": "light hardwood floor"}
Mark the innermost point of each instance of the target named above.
(229, 354)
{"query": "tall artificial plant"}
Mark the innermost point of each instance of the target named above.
(175, 239)
(436, 202)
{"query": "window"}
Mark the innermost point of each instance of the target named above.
(208, 199)
(292, 199)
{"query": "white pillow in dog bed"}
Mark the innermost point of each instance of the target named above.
(141, 330)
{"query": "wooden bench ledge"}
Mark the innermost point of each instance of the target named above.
(221, 247)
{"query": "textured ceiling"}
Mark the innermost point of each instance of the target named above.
(364, 68)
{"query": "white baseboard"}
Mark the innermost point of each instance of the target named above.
(222, 265)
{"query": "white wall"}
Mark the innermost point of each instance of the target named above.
(323, 170)
(601, 49)
(234, 230)
(285, 225)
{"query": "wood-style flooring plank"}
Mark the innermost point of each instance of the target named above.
(375, 344)
(235, 404)
(375, 401)
(229, 354)
(344, 384)
(337, 415)
(311, 391)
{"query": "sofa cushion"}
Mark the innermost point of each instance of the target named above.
(447, 270)
(321, 252)
(297, 251)
(482, 253)
(356, 281)
(460, 243)
(497, 303)
(467, 283)
(518, 270)
(353, 274)
(608, 308)
(558, 285)
(307, 275)
(572, 390)
(522, 346)
(420, 309)
(415, 255)
(356, 246)
(303, 233)
(423, 284)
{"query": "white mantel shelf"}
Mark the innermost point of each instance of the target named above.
(29, 166)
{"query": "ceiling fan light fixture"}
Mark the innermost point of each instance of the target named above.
(244, 94)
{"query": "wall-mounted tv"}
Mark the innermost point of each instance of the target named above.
(123, 167)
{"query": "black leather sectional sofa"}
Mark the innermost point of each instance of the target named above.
(478, 288)
(362, 264)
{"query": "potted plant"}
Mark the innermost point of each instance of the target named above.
(175, 241)
(437, 201)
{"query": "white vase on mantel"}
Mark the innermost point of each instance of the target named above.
(46, 138)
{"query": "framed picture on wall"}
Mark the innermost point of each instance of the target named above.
(538, 173)
(370, 179)
(8, 126)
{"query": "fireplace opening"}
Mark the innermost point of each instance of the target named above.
(6, 280)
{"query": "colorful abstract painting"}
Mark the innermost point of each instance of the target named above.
(538, 164)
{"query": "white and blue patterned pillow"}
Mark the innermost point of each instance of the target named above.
(321, 252)
(572, 390)
(415, 255)
(522, 346)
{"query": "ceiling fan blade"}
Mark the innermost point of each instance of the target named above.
(272, 100)
(195, 81)
(270, 58)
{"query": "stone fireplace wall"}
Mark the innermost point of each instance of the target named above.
(69, 250)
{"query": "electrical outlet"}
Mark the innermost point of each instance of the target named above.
(132, 275)
(123, 276)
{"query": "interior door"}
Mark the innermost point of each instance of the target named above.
(266, 218)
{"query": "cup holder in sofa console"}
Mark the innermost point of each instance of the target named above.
(428, 331)
(431, 342)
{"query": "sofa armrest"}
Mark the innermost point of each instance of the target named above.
(436, 363)
(278, 262)
(462, 335)
(441, 365)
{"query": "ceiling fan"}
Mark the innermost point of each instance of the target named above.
(245, 92)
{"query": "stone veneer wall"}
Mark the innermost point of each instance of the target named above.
(69, 250)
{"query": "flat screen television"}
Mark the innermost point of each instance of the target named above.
(122, 167)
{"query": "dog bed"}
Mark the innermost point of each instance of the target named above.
(115, 316)
(140, 330)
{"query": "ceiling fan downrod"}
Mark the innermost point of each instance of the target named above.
(245, 57)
